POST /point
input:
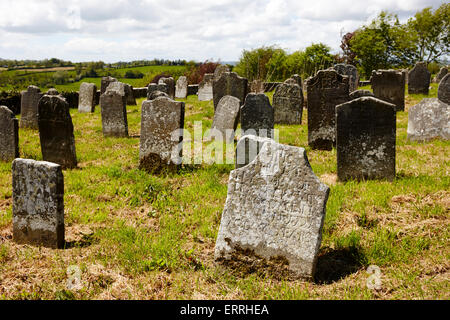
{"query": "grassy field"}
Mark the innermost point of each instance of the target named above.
(138, 236)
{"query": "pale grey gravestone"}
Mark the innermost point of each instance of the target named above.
(114, 114)
(257, 115)
(9, 135)
(192, 89)
(229, 84)
(155, 87)
(389, 86)
(205, 89)
(123, 89)
(444, 89)
(87, 97)
(105, 83)
(226, 119)
(170, 83)
(257, 86)
(288, 103)
(350, 71)
(441, 74)
(365, 139)
(428, 120)
(220, 69)
(162, 123)
(56, 131)
(29, 107)
(181, 88)
(273, 214)
(360, 93)
(38, 203)
(419, 79)
(52, 92)
(325, 91)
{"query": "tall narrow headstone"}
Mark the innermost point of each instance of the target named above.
(419, 79)
(257, 115)
(9, 135)
(170, 83)
(389, 86)
(229, 84)
(105, 83)
(181, 88)
(226, 118)
(444, 89)
(205, 89)
(349, 71)
(114, 114)
(87, 97)
(288, 104)
(29, 107)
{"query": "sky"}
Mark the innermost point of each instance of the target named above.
(126, 30)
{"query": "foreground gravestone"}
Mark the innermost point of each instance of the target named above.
(257, 115)
(170, 83)
(114, 114)
(162, 124)
(349, 71)
(229, 84)
(105, 83)
(87, 97)
(325, 91)
(365, 139)
(205, 89)
(156, 87)
(56, 131)
(273, 215)
(220, 69)
(9, 135)
(419, 79)
(389, 86)
(29, 107)
(444, 89)
(226, 118)
(181, 88)
(428, 120)
(247, 148)
(441, 74)
(38, 203)
(360, 93)
(288, 104)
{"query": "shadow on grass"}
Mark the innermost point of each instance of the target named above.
(85, 241)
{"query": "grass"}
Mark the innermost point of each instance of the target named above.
(138, 236)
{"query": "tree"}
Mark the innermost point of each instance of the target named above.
(253, 63)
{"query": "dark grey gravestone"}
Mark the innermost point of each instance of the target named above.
(360, 93)
(105, 83)
(444, 89)
(350, 71)
(29, 107)
(288, 104)
(87, 97)
(170, 83)
(419, 79)
(226, 118)
(257, 115)
(9, 135)
(229, 84)
(389, 86)
(205, 89)
(181, 88)
(192, 89)
(114, 114)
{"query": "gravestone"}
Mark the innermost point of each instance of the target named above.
(170, 83)
(256, 86)
(325, 91)
(114, 114)
(441, 74)
(52, 92)
(29, 107)
(389, 86)
(156, 94)
(365, 139)
(229, 84)
(38, 203)
(181, 88)
(288, 104)
(162, 122)
(56, 132)
(123, 89)
(350, 71)
(419, 79)
(226, 118)
(360, 93)
(220, 69)
(273, 215)
(105, 83)
(444, 89)
(428, 120)
(87, 97)
(247, 148)
(298, 80)
(205, 89)
(257, 115)
(192, 89)
(9, 135)
(155, 87)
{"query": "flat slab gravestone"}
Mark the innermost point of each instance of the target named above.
(419, 79)
(229, 84)
(444, 89)
(56, 131)
(288, 104)
(162, 123)
(257, 115)
(365, 139)
(226, 119)
(273, 214)
(170, 83)
(181, 88)
(9, 135)
(105, 83)
(428, 120)
(350, 71)
(205, 88)
(389, 86)
(87, 97)
(29, 107)
(114, 114)
(38, 203)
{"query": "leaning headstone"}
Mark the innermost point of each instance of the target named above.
(29, 107)
(325, 91)
(56, 131)
(155, 87)
(114, 114)
(38, 203)
(257, 115)
(205, 88)
(9, 135)
(105, 83)
(428, 120)
(52, 92)
(360, 93)
(419, 79)
(162, 122)
(288, 104)
(365, 139)
(389, 86)
(444, 89)
(273, 215)
(181, 88)
(441, 74)
(350, 71)
(220, 69)
(226, 118)
(229, 84)
(192, 89)
(170, 83)
(87, 97)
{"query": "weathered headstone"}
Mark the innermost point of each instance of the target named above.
(162, 122)
(350, 71)
(444, 89)
(428, 120)
(226, 118)
(288, 104)
(123, 89)
(29, 107)
(389, 86)
(247, 148)
(365, 139)
(229, 84)
(156, 94)
(155, 87)
(441, 74)
(181, 88)
(220, 69)
(419, 79)
(325, 91)
(192, 89)
(38, 203)
(114, 114)
(52, 92)
(9, 135)
(170, 83)
(257, 115)
(56, 131)
(274, 213)
(87, 97)
(105, 83)
(360, 93)
(205, 88)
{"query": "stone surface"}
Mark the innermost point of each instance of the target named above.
(444, 89)
(170, 83)
(428, 120)
(365, 139)
(29, 107)
(360, 93)
(247, 148)
(389, 86)
(155, 87)
(350, 71)
(256, 86)
(229, 84)
(56, 131)
(162, 122)
(9, 135)
(52, 92)
(226, 118)
(273, 214)
(288, 103)
(441, 74)
(181, 88)
(419, 79)
(123, 89)
(220, 69)
(257, 115)
(325, 91)
(205, 88)
(105, 83)
(38, 203)
(114, 114)
(192, 89)
(87, 97)
(156, 94)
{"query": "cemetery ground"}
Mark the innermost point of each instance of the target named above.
(141, 236)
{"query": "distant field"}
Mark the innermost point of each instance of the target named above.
(45, 69)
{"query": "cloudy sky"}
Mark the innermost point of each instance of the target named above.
(125, 30)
